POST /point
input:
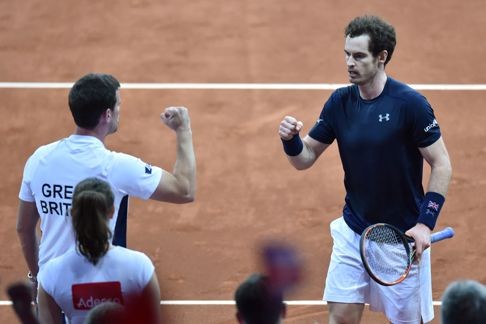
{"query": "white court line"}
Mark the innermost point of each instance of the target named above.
(225, 302)
(231, 302)
(235, 86)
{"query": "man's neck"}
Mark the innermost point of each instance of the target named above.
(374, 87)
(90, 132)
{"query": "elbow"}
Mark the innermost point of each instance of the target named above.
(189, 192)
(189, 198)
(183, 200)
(449, 173)
(447, 170)
(301, 167)
(302, 163)
(179, 195)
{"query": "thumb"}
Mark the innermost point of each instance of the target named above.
(299, 126)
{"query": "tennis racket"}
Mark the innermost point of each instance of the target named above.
(387, 253)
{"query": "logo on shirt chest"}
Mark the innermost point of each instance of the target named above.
(383, 117)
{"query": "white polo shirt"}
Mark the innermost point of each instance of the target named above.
(53, 171)
(77, 285)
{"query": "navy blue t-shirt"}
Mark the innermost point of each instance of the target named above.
(378, 143)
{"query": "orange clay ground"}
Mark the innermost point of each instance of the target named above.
(247, 191)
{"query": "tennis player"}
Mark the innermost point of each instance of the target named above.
(53, 171)
(384, 130)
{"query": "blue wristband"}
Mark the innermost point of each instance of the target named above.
(430, 209)
(293, 146)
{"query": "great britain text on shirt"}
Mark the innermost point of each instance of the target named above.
(56, 199)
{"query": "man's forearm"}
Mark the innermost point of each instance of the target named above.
(434, 199)
(440, 177)
(185, 165)
(30, 250)
(304, 160)
(27, 219)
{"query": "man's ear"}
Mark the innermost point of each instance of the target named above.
(105, 117)
(108, 113)
(382, 56)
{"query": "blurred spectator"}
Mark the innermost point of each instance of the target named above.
(259, 299)
(107, 312)
(464, 301)
(282, 265)
(256, 304)
(20, 294)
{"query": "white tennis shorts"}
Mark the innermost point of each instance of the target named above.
(348, 282)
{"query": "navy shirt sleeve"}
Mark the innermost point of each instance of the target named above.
(425, 128)
(323, 130)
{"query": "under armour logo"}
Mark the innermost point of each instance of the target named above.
(381, 118)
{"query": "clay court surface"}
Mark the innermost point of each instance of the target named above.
(247, 191)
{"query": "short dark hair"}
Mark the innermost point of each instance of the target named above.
(382, 34)
(90, 96)
(255, 303)
(464, 301)
(92, 202)
(105, 312)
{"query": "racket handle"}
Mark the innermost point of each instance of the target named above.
(446, 233)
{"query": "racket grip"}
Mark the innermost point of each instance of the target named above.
(446, 233)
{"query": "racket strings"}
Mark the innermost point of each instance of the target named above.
(386, 254)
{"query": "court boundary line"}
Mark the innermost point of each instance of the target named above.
(235, 86)
(227, 302)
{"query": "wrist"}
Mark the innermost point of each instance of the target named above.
(293, 146)
(423, 226)
(430, 209)
(184, 130)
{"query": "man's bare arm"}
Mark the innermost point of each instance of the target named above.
(27, 218)
(310, 153)
(180, 185)
(301, 153)
(437, 157)
(440, 176)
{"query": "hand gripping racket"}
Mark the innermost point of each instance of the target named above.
(387, 253)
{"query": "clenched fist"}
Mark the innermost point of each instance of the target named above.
(289, 127)
(176, 118)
